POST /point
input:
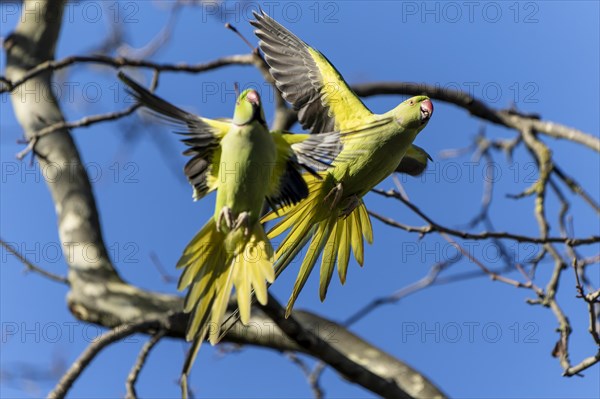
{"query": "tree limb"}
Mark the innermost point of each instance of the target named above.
(478, 108)
(357, 362)
(12, 83)
(435, 227)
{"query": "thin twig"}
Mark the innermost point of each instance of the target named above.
(412, 288)
(119, 62)
(494, 276)
(83, 122)
(585, 363)
(166, 277)
(576, 188)
(591, 300)
(312, 377)
(30, 266)
(141, 360)
(543, 157)
(114, 335)
(162, 37)
(88, 120)
(435, 227)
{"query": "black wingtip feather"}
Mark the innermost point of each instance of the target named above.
(199, 136)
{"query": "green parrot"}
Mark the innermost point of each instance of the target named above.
(333, 217)
(247, 165)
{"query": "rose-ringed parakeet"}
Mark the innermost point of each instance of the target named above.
(247, 165)
(333, 217)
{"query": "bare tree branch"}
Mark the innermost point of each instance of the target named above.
(137, 367)
(285, 117)
(545, 297)
(12, 83)
(591, 300)
(83, 122)
(476, 107)
(312, 376)
(435, 227)
(355, 365)
(161, 38)
(585, 364)
(112, 336)
(418, 285)
(576, 188)
(31, 266)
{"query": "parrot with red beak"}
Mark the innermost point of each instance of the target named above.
(333, 220)
(248, 166)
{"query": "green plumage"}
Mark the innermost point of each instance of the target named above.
(333, 220)
(248, 165)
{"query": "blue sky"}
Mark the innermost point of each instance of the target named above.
(474, 338)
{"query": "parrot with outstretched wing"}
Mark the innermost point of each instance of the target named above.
(247, 165)
(333, 218)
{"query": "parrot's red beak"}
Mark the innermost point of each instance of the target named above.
(426, 110)
(253, 97)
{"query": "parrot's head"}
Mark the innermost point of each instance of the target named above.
(248, 108)
(414, 113)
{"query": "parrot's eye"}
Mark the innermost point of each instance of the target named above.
(411, 102)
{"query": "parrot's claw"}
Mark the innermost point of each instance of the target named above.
(350, 205)
(336, 192)
(243, 219)
(226, 215)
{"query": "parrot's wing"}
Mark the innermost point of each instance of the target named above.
(288, 186)
(308, 81)
(202, 136)
(314, 152)
(414, 161)
(311, 152)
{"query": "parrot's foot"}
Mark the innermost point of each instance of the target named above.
(350, 205)
(243, 220)
(226, 215)
(336, 192)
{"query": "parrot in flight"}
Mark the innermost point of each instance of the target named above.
(247, 165)
(333, 216)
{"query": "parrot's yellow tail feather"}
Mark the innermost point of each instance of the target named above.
(251, 270)
(213, 264)
(315, 248)
(329, 232)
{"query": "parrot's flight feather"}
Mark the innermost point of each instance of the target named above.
(294, 151)
(307, 80)
(202, 136)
